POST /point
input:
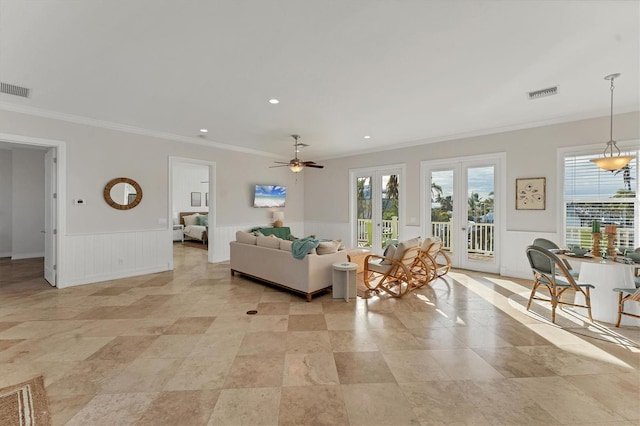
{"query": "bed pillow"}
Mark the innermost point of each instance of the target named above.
(191, 219)
(203, 220)
(245, 237)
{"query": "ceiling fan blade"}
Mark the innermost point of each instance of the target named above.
(281, 162)
(306, 163)
(317, 166)
(281, 165)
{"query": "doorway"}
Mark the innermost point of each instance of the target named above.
(377, 197)
(462, 205)
(192, 189)
(55, 194)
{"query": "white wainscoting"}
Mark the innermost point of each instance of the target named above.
(514, 261)
(225, 234)
(90, 258)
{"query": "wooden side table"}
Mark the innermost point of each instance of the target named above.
(344, 280)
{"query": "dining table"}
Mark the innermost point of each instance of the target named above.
(605, 275)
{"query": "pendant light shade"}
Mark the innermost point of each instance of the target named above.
(609, 161)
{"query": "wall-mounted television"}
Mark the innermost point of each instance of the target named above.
(269, 196)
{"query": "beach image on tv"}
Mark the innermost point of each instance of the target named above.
(269, 196)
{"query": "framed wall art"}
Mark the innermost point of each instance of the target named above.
(196, 199)
(530, 193)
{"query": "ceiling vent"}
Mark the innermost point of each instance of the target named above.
(543, 93)
(12, 89)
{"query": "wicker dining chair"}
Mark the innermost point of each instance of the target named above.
(626, 295)
(550, 271)
(550, 245)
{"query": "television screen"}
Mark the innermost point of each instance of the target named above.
(269, 196)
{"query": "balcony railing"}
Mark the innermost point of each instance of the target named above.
(481, 236)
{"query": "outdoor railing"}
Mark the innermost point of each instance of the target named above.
(481, 236)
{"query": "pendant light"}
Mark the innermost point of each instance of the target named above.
(610, 162)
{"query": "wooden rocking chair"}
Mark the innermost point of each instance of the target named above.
(392, 273)
(436, 260)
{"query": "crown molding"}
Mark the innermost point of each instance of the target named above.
(76, 119)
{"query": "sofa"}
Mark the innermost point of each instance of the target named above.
(270, 259)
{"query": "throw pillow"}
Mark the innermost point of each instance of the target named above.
(389, 252)
(292, 238)
(327, 247)
(269, 242)
(202, 220)
(191, 219)
(245, 237)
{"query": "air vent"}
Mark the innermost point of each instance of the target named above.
(12, 89)
(543, 93)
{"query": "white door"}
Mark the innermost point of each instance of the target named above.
(50, 209)
(376, 196)
(462, 208)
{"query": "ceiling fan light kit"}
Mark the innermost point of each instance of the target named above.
(296, 165)
(610, 162)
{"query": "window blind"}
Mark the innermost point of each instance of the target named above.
(611, 198)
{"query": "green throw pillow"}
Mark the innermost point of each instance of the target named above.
(203, 220)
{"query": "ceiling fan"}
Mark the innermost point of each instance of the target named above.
(296, 165)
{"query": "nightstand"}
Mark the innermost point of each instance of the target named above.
(178, 233)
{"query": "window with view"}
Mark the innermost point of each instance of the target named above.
(610, 198)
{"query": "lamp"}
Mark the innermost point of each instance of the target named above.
(278, 217)
(610, 162)
(296, 166)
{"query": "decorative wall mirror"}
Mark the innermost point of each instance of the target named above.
(122, 193)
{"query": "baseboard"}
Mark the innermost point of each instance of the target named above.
(6, 254)
(26, 255)
(113, 276)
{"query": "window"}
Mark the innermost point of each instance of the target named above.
(592, 194)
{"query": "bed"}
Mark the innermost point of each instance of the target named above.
(195, 229)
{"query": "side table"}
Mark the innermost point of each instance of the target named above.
(344, 280)
(178, 233)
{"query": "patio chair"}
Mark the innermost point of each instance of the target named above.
(550, 245)
(392, 273)
(550, 271)
(434, 257)
(625, 295)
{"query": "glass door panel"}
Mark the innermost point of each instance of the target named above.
(442, 204)
(480, 213)
(376, 194)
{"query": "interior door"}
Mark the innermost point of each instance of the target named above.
(377, 207)
(50, 232)
(462, 211)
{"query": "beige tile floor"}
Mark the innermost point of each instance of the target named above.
(178, 348)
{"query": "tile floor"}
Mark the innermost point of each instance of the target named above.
(177, 348)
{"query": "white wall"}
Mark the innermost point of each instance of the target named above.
(530, 153)
(27, 201)
(95, 155)
(5, 202)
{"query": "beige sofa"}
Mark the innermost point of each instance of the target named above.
(270, 259)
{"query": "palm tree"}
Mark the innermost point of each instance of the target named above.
(436, 192)
(626, 176)
(391, 200)
(364, 202)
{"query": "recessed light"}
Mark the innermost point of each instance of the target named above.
(367, 137)
(204, 130)
(274, 101)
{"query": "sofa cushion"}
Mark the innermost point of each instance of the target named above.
(286, 245)
(404, 246)
(327, 247)
(245, 237)
(268, 242)
(389, 252)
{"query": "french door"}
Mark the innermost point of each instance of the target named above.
(376, 207)
(462, 200)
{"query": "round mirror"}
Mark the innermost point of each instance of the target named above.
(122, 193)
